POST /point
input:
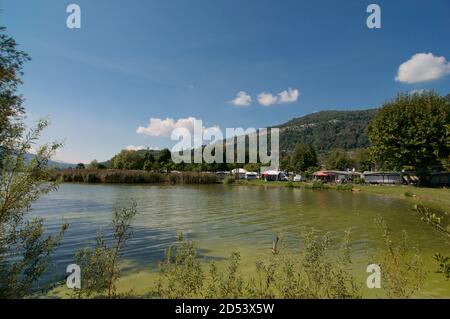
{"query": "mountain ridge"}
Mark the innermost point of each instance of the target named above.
(327, 130)
(52, 163)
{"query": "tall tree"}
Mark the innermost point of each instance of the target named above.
(128, 160)
(11, 65)
(340, 160)
(363, 159)
(164, 156)
(412, 130)
(303, 157)
(25, 249)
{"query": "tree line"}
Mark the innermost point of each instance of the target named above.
(410, 132)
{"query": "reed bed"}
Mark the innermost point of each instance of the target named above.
(116, 176)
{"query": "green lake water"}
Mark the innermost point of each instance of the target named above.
(223, 219)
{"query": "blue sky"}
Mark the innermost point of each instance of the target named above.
(136, 60)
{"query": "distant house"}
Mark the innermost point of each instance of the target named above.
(251, 176)
(239, 173)
(222, 174)
(383, 177)
(336, 176)
(274, 175)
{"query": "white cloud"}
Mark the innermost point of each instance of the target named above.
(423, 67)
(267, 99)
(163, 128)
(242, 99)
(287, 96)
(135, 148)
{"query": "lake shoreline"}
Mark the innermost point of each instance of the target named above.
(434, 198)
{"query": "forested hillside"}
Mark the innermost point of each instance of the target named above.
(327, 130)
(324, 130)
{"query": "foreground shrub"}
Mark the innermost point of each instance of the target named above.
(312, 274)
(181, 274)
(402, 267)
(317, 272)
(26, 248)
(444, 265)
(100, 264)
(431, 218)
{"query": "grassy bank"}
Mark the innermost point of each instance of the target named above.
(115, 176)
(434, 198)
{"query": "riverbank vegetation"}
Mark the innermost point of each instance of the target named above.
(114, 176)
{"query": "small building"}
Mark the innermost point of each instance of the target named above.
(274, 175)
(222, 174)
(383, 177)
(251, 176)
(239, 173)
(336, 176)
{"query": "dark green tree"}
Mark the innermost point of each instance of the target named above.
(80, 166)
(11, 64)
(156, 167)
(285, 162)
(339, 160)
(412, 130)
(164, 156)
(363, 160)
(128, 160)
(149, 159)
(302, 158)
